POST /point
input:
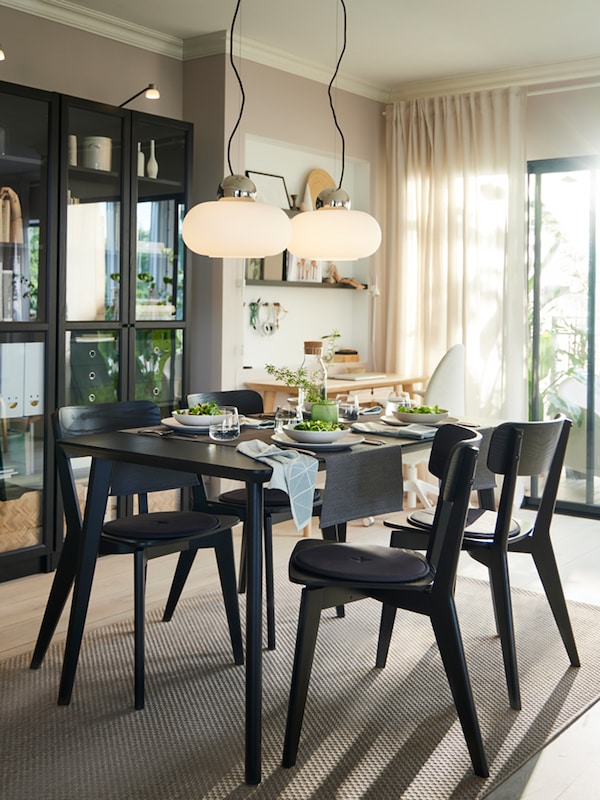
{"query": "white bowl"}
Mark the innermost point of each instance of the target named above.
(197, 420)
(420, 419)
(314, 437)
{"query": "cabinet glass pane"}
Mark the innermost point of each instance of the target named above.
(93, 216)
(160, 268)
(23, 192)
(161, 173)
(92, 367)
(21, 440)
(158, 362)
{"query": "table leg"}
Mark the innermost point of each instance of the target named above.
(254, 633)
(99, 482)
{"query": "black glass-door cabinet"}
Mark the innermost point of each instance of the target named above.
(93, 289)
(28, 237)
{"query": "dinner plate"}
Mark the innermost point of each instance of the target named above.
(180, 427)
(341, 444)
(390, 420)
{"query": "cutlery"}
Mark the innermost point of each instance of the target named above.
(151, 432)
(373, 442)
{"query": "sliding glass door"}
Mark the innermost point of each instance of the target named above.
(564, 199)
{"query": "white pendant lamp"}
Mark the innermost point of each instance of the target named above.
(235, 225)
(333, 232)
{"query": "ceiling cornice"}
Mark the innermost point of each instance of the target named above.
(218, 42)
(67, 13)
(547, 77)
(550, 77)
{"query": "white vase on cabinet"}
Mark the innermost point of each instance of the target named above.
(141, 161)
(152, 165)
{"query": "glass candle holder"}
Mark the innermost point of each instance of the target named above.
(327, 411)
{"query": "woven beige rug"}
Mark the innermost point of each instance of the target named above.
(387, 734)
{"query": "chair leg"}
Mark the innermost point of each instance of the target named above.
(336, 533)
(61, 586)
(243, 562)
(386, 626)
(226, 566)
(449, 640)
(140, 570)
(306, 638)
(545, 563)
(182, 570)
(500, 587)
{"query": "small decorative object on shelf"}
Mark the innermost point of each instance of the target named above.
(141, 161)
(334, 276)
(72, 150)
(152, 166)
(97, 152)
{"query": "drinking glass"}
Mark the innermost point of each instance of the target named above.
(287, 415)
(349, 407)
(394, 400)
(226, 426)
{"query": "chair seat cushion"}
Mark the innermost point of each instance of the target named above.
(162, 525)
(274, 498)
(361, 563)
(480, 522)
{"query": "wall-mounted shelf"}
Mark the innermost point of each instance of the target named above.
(304, 285)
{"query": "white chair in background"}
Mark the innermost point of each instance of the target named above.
(445, 388)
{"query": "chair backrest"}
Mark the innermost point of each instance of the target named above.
(528, 449)
(446, 387)
(247, 401)
(453, 459)
(126, 479)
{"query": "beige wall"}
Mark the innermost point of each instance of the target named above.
(58, 58)
(565, 123)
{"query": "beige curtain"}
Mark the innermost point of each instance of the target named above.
(455, 238)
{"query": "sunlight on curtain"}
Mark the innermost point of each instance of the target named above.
(456, 268)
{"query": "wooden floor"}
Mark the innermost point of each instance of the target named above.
(568, 768)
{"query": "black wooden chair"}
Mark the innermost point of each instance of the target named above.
(516, 449)
(339, 573)
(276, 509)
(145, 534)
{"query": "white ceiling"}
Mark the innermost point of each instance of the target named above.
(391, 43)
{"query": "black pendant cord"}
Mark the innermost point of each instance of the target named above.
(331, 82)
(239, 80)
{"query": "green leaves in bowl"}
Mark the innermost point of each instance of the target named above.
(318, 425)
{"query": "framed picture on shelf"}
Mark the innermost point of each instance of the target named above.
(270, 189)
(304, 270)
(273, 267)
(255, 269)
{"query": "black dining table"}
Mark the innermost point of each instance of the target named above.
(186, 453)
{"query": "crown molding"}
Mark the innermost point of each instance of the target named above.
(546, 78)
(67, 13)
(218, 43)
(538, 80)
